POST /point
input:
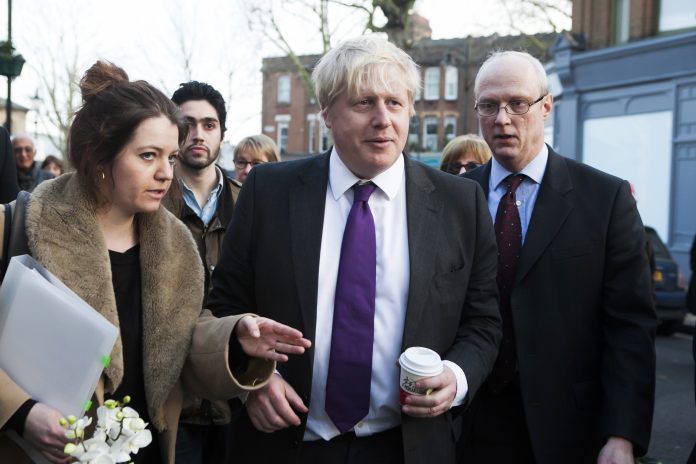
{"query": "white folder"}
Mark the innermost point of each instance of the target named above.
(52, 344)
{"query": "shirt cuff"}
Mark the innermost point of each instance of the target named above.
(462, 384)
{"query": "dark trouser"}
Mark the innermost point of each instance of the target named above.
(381, 448)
(494, 429)
(204, 444)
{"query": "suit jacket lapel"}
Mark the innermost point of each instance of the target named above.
(422, 211)
(550, 212)
(307, 200)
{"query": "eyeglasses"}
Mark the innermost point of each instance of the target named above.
(456, 167)
(242, 164)
(26, 149)
(516, 107)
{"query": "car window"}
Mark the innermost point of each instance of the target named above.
(659, 247)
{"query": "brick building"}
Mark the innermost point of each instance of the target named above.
(444, 107)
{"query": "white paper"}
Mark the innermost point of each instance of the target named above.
(52, 343)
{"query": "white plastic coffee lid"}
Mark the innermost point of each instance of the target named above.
(421, 361)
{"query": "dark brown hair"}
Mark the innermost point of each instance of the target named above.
(112, 109)
(55, 160)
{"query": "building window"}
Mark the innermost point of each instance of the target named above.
(284, 89)
(413, 131)
(450, 128)
(282, 124)
(311, 129)
(451, 82)
(283, 136)
(677, 14)
(641, 152)
(622, 20)
(324, 136)
(430, 133)
(432, 83)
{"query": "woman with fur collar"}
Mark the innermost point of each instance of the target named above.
(102, 231)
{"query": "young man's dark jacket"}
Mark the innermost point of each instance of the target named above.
(209, 242)
(208, 238)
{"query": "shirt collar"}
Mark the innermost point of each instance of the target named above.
(341, 178)
(216, 191)
(533, 170)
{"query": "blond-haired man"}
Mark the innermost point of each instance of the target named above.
(369, 253)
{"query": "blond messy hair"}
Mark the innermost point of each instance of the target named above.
(464, 145)
(257, 145)
(366, 62)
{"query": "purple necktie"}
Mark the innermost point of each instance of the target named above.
(508, 234)
(350, 364)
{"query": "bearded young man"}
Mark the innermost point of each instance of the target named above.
(203, 197)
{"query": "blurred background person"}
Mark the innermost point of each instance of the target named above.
(8, 169)
(252, 151)
(29, 174)
(464, 153)
(54, 165)
(103, 232)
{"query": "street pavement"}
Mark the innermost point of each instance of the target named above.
(674, 423)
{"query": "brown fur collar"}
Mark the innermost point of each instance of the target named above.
(65, 237)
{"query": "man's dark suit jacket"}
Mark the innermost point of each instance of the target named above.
(583, 315)
(8, 169)
(270, 264)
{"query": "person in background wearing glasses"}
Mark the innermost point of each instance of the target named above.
(29, 172)
(574, 381)
(203, 197)
(252, 151)
(464, 153)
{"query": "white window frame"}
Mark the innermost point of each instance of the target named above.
(450, 119)
(311, 133)
(282, 122)
(430, 140)
(623, 21)
(284, 88)
(451, 82)
(432, 83)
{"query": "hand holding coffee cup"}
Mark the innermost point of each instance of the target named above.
(427, 386)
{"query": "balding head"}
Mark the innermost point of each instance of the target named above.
(513, 59)
(511, 92)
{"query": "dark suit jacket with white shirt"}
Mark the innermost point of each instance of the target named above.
(270, 262)
(583, 315)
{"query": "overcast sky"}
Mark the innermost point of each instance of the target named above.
(148, 38)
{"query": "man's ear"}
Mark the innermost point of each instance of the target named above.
(548, 105)
(326, 117)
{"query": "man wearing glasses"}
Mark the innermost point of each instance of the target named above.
(29, 172)
(575, 377)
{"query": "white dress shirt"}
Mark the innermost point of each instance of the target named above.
(526, 194)
(388, 206)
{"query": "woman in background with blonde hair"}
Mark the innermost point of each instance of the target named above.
(464, 153)
(252, 151)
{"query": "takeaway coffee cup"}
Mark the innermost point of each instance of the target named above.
(417, 363)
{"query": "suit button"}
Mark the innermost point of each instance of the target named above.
(295, 444)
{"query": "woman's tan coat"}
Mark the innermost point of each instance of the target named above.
(183, 348)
